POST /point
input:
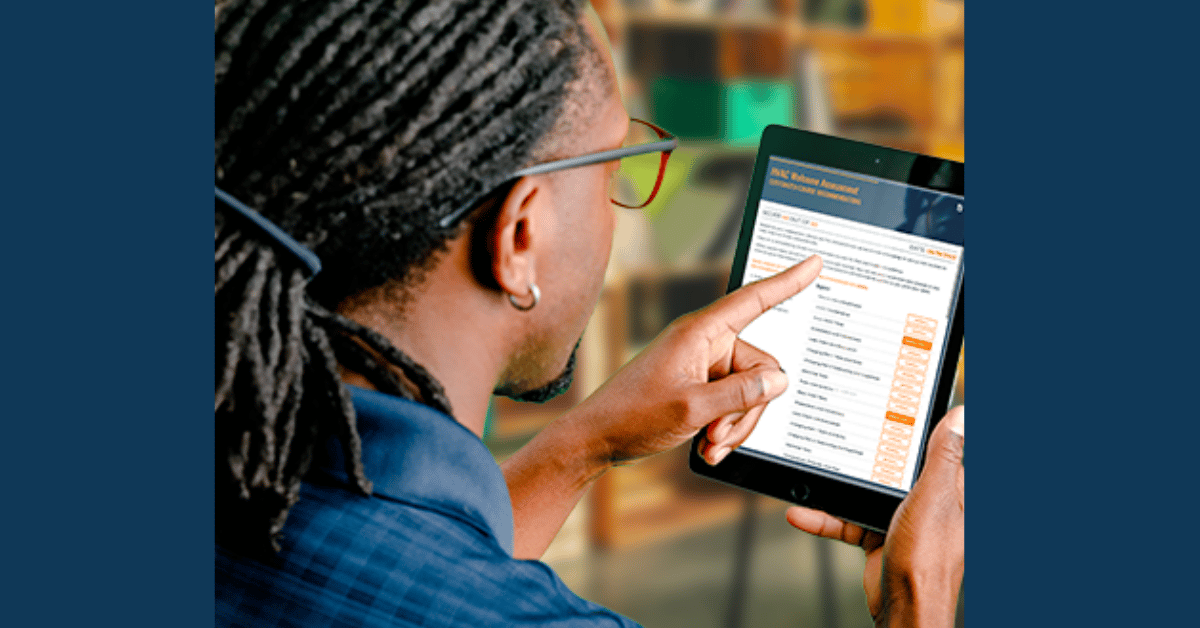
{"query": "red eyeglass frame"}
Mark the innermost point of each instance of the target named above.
(665, 143)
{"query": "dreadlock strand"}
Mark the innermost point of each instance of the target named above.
(430, 389)
(293, 347)
(238, 460)
(233, 326)
(262, 440)
(309, 419)
(354, 357)
(351, 444)
(245, 319)
(291, 394)
(341, 332)
(274, 335)
(284, 474)
(224, 245)
(234, 262)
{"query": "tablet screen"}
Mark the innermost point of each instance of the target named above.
(864, 344)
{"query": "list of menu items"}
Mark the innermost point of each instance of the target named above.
(858, 345)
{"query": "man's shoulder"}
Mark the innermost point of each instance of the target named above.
(370, 561)
(334, 518)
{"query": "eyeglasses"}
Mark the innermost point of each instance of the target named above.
(636, 183)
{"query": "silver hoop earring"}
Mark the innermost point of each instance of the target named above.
(537, 296)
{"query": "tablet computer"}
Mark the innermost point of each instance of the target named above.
(870, 347)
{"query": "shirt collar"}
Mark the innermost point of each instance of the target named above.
(415, 454)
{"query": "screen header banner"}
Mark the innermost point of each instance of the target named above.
(880, 202)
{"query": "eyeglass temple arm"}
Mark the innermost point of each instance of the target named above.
(667, 144)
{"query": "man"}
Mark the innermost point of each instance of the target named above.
(394, 140)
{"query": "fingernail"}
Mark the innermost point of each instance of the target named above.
(719, 455)
(774, 383)
(956, 422)
(722, 431)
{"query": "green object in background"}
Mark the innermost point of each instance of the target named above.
(732, 112)
(752, 105)
(689, 108)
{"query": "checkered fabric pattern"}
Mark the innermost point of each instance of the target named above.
(431, 547)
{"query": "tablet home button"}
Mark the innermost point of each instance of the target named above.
(800, 492)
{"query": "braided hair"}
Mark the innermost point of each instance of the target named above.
(355, 125)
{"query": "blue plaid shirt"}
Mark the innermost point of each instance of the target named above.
(431, 547)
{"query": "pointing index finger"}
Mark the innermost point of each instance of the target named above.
(747, 303)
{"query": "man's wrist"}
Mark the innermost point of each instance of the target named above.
(586, 447)
(570, 445)
(929, 600)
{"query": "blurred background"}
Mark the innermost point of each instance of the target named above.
(652, 540)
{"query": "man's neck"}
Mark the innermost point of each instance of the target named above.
(444, 328)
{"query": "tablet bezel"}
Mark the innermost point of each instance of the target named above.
(842, 497)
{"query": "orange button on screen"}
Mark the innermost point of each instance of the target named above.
(900, 418)
(914, 342)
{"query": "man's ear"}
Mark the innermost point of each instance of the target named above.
(511, 240)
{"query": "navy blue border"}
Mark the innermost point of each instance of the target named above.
(1080, 117)
(1082, 132)
(108, 309)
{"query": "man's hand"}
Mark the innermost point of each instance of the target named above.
(912, 576)
(696, 373)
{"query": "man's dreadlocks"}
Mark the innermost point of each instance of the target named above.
(354, 125)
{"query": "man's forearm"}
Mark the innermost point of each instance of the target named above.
(547, 478)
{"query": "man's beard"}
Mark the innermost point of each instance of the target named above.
(552, 389)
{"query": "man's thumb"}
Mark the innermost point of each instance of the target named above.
(945, 454)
